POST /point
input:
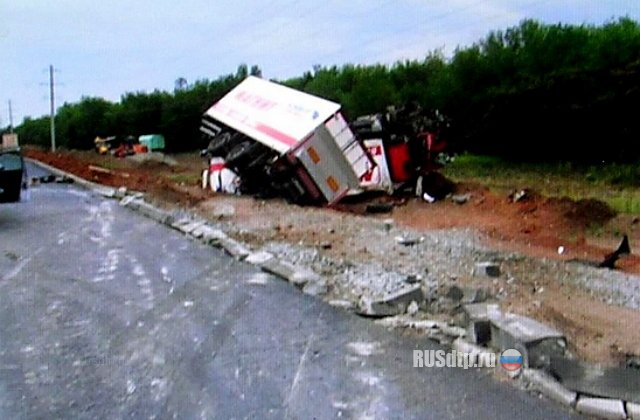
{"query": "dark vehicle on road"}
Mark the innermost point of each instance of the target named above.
(12, 173)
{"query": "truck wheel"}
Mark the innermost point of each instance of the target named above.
(242, 154)
(221, 144)
(212, 182)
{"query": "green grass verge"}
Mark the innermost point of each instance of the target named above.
(616, 184)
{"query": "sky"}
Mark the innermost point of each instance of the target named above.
(106, 48)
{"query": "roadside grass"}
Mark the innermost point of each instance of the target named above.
(616, 184)
(187, 178)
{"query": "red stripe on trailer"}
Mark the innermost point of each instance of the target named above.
(276, 135)
(216, 167)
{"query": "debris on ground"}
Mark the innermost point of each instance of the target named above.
(519, 195)
(461, 198)
(487, 269)
(392, 303)
(47, 179)
(409, 240)
(623, 250)
(94, 168)
(374, 208)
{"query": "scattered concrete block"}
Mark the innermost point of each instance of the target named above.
(260, 257)
(466, 295)
(391, 304)
(476, 317)
(633, 411)
(409, 240)
(540, 381)
(605, 408)
(612, 382)
(537, 342)
(234, 248)
(487, 269)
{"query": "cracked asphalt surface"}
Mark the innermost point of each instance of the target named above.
(106, 314)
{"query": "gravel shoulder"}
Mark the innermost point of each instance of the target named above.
(596, 308)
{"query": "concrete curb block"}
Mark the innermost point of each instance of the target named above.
(234, 248)
(393, 303)
(190, 227)
(463, 346)
(290, 272)
(212, 236)
(542, 382)
(605, 408)
(633, 411)
(259, 257)
(150, 211)
(108, 192)
(316, 288)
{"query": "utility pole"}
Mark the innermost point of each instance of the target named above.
(53, 110)
(10, 118)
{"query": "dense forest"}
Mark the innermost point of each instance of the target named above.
(531, 92)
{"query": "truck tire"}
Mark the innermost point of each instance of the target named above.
(205, 179)
(222, 143)
(243, 154)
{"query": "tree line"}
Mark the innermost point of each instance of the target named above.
(531, 92)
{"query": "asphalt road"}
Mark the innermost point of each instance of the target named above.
(106, 314)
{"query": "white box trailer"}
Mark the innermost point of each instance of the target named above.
(307, 133)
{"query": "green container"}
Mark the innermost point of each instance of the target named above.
(152, 141)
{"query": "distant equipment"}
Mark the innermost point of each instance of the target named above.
(152, 141)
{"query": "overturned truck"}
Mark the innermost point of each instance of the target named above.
(276, 141)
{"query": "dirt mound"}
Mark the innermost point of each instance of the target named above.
(585, 212)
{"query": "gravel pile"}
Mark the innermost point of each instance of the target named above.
(375, 261)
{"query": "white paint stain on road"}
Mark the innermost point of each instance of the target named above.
(108, 266)
(143, 282)
(365, 348)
